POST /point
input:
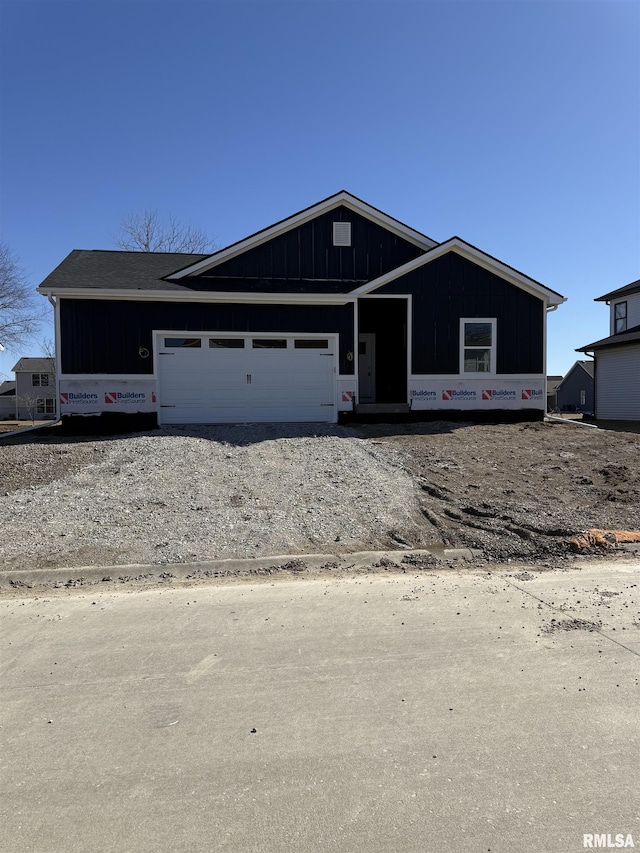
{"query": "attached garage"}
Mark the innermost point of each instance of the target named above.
(218, 378)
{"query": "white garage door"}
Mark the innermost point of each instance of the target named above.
(223, 379)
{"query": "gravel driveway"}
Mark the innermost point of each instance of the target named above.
(196, 493)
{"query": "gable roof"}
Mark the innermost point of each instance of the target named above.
(582, 365)
(165, 275)
(631, 336)
(634, 287)
(34, 365)
(7, 389)
(339, 199)
(477, 256)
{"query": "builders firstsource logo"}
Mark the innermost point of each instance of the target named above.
(123, 397)
(424, 395)
(77, 397)
(531, 394)
(498, 394)
(452, 394)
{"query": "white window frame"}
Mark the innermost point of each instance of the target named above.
(492, 356)
(45, 406)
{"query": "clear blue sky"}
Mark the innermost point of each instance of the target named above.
(513, 124)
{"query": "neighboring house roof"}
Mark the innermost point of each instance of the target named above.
(628, 289)
(586, 366)
(552, 383)
(34, 365)
(631, 336)
(7, 389)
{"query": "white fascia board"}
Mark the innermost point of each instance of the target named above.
(480, 377)
(471, 253)
(217, 296)
(342, 199)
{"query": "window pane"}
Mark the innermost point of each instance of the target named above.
(477, 335)
(303, 343)
(226, 343)
(35, 380)
(621, 324)
(269, 343)
(477, 360)
(621, 309)
(183, 342)
(44, 378)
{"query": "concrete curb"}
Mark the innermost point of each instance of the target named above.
(295, 564)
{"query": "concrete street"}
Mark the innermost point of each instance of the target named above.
(439, 712)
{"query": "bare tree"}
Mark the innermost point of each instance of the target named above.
(147, 232)
(20, 314)
(48, 350)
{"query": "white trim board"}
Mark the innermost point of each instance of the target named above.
(204, 297)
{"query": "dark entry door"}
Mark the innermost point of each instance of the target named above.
(386, 320)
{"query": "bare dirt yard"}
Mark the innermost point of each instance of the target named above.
(512, 491)
(521, 490)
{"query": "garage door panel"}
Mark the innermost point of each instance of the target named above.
(247, 384)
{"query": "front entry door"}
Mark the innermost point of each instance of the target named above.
(367, 367)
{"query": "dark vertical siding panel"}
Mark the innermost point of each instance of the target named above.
(452, 287)
(307, 254)
(105, 336)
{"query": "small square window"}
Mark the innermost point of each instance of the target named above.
(46, 406)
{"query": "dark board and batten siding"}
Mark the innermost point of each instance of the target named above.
(104, 336)
(304, 259)
(452, 287)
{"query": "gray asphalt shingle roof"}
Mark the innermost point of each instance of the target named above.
(634, 287)
(107, 270)
(34, 365)
(631, 336)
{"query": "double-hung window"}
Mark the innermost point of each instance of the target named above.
(46, 406)
(620, 317)
(477, 345)
(39, 380)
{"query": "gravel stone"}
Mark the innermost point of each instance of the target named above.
(205, 492)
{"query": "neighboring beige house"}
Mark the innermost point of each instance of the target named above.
(36, 397)
(7, 400)
(617, 357)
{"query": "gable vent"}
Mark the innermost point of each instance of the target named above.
(341, 233)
